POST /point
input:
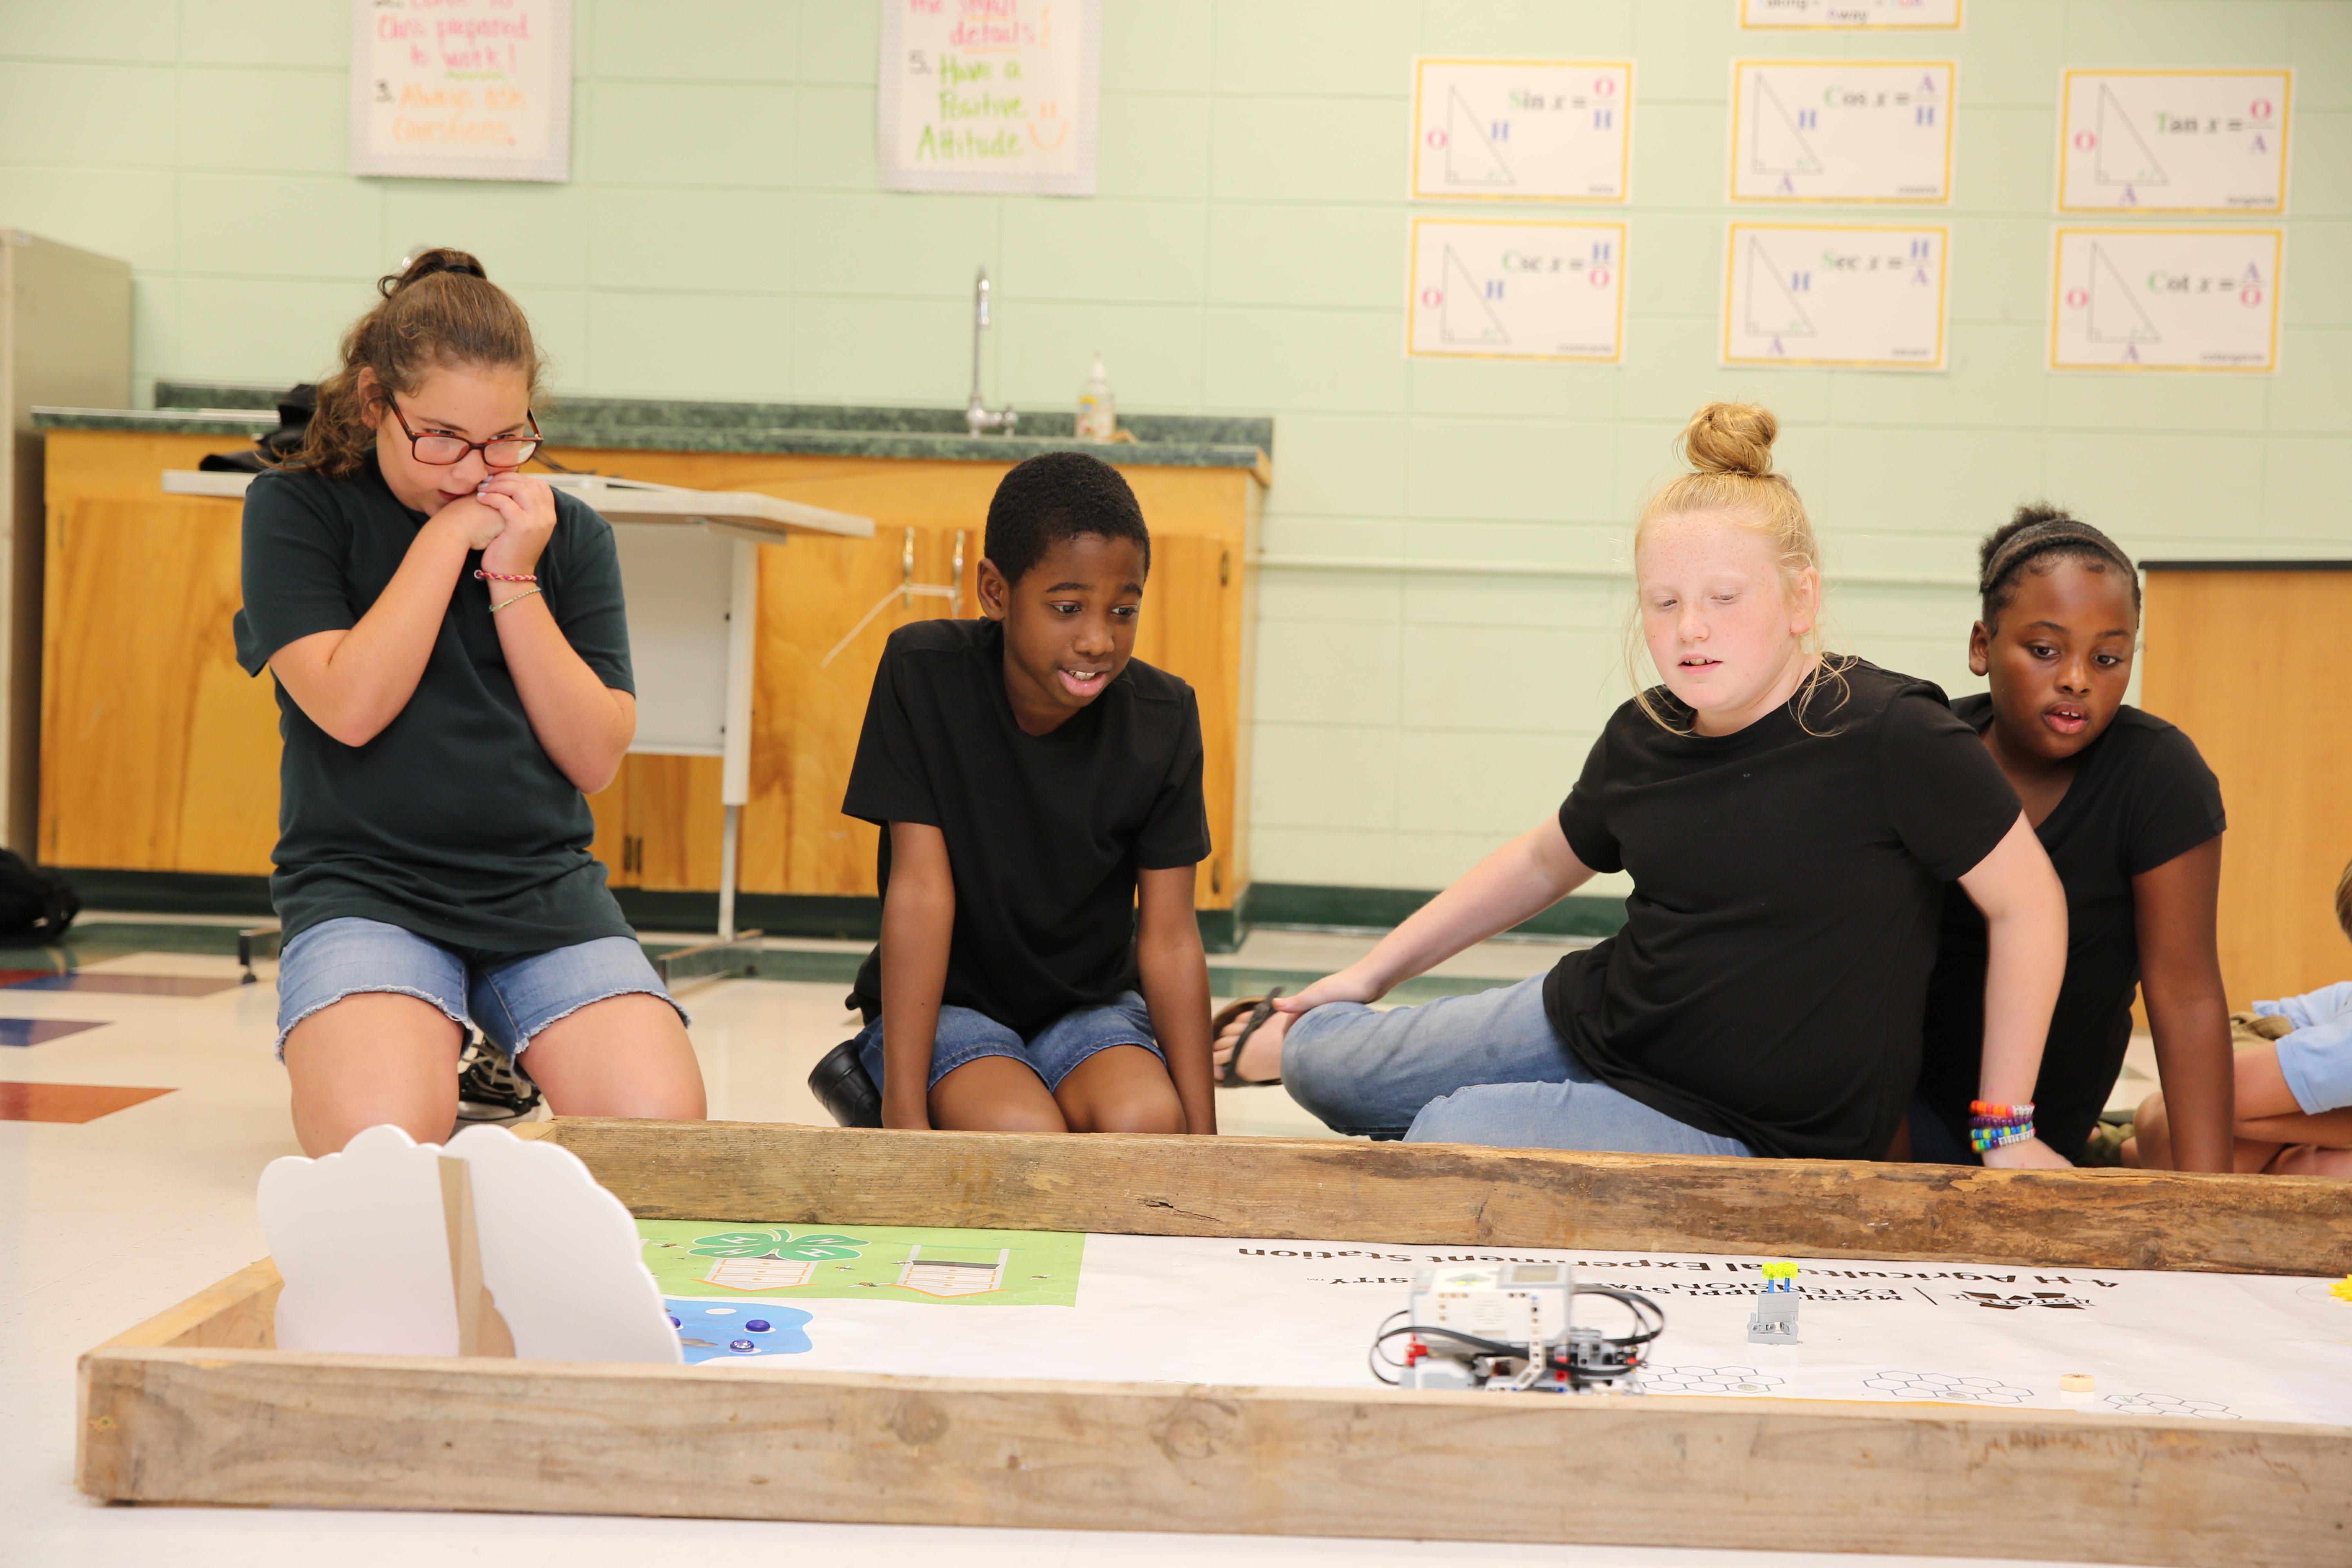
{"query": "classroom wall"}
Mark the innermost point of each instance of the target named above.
(722, 237)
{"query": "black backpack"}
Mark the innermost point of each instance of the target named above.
(294, 410)
(35, 901)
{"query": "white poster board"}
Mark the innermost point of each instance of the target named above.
(1850, 15)
(2173, 141)
(1849, 295)
(1522, 131)
(462, 90)
(1491, 288)
(1841, 131)
(995, 97)
(2166, 300)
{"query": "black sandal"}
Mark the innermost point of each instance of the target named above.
(1260, 1009)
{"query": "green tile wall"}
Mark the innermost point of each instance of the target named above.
(722, 237)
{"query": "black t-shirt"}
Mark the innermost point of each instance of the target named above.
(453, 822)
(2140, 796)
(1044, 833)
(1768, 982)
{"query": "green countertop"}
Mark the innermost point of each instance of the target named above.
(657, 425)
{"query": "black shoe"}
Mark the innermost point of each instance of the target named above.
(841, 1085)
(492, 1088)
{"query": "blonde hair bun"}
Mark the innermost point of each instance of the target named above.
(1731, 439)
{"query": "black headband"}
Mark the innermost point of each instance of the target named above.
(2056, 534)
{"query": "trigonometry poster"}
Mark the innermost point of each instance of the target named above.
(2174, 299)
(1857, 296)
(1849, 16)
(1522, 131)
(2173, 141)
(995, 98)
(1499, 289)
(1841, 131)
(462, 90)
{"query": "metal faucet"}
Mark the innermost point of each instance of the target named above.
(977, 416)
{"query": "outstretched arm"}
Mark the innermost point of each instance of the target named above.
(1524, 878)
(2173, 906)
(1175, 979)
(918, 921)
(2024, 907)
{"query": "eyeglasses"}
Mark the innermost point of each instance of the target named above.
(442, 451)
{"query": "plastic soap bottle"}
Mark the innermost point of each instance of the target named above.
(1097, 412)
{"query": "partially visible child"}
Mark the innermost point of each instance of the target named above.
(2293, 1086)
(1039, 792)
(2132, 819)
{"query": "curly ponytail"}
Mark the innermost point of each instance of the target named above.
(440, 310)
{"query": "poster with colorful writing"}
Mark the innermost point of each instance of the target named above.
(2173, 141)
(1861, 297)
(462, 90)
(1522, 131)
(989, 96)
(1841, 131)
(1499, 289)
(2127, 300)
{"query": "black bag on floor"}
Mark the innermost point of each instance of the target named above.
(843, 1087)
(35, 901)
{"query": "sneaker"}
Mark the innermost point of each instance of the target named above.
(491, 1088)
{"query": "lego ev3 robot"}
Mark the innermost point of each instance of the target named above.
(1510, 1326)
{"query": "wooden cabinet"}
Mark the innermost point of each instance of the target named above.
(159, 754)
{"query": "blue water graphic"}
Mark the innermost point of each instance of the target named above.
(735, 1330)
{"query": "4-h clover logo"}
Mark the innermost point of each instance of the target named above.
(811, 1248)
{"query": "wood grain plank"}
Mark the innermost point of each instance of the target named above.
(240, 1313)
(270, 1428)
(1318, 1190)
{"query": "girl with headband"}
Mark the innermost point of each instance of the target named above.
(2131, 817)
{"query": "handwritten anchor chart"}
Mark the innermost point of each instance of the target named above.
(996, 98)
(1849, 295)
(2169, 299)
(2173, 141)
(1522, 131)
(1850, 15)
(1841, 131)
(1495, 290)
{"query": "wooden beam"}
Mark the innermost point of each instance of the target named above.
(288, 1430)
(1450, 1195)
(239, 1313)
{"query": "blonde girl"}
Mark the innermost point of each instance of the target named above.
(1790, 821)
(452, 663)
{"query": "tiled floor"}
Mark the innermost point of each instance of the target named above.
(106, 1222)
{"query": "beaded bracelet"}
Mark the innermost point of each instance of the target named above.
(483, 577)
(518, 599)
(1995, 1126)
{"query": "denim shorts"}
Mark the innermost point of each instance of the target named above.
(1053, 1053)
(511, 998)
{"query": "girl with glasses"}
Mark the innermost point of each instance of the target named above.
(452, 663)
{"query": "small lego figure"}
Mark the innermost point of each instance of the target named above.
(1774, 1321)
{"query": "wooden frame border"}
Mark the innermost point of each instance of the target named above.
(194, 1406)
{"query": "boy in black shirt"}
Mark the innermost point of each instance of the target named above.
(1039, 794)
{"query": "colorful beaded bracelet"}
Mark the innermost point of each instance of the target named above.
(1997, 1137)
(1986, 1109)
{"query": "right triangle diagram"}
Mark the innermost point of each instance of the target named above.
(1780, 148)
(1457, 322)
(1772, 308)
(2121, 157)
(1471, 156)
(2116, 316)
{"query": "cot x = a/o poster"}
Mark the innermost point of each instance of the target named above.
(1841, 131)
(1522, 131)
(1855, 296)
(2166, 300)
(2173, 141)
(1849, 16)
(1492, 288)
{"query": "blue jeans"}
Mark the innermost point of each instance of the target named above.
(1053, 1053)
(509, 996)
(1487, 1068)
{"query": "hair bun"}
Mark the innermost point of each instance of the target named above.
(1731, 439)
(425, 263)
